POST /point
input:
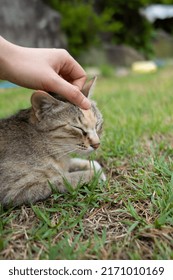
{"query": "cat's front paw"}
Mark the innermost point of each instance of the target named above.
(98, 169)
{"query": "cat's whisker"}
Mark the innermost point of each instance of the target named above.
(55, 152)
(68, 153)
(35, 145)
(52, 142)
(60, 152)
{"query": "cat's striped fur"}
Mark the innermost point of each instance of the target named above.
(35, 145)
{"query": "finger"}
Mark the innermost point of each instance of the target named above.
(73, 72)
(79, 82)
(69, 91)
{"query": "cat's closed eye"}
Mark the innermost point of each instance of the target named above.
(36, 144)
(81, 130)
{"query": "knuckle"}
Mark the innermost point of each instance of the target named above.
(61, 54)
(64, 53)
(51, 80)
(84, 75)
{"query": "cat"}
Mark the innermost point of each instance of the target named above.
(35, 145)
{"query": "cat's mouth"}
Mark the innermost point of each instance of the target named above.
(83, 149)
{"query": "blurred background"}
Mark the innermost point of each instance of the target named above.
(96, 32)
(131, 217)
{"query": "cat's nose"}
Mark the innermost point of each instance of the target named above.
(95, 146)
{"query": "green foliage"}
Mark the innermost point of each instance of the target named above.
(87, 22)
(134, 29)
(107, 70)
(129, 217)
(80, 23)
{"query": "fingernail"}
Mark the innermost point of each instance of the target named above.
(85, 104)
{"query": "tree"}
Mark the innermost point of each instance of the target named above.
(86, 21)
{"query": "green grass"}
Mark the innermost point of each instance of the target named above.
(12, 100)
(129, 217)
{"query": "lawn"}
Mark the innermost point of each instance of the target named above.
(131, 215)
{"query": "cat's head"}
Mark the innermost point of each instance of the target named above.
(66, 124)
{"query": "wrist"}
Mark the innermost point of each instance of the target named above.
(7, 51)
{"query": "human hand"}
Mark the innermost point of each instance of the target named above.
(52, 70)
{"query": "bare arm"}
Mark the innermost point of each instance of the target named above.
(45, 69)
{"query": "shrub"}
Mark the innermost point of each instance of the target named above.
(82, 24)
(87, 22)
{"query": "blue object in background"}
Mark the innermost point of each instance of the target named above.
(6, 84)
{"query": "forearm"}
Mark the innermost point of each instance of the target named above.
(45, 69)
(7, 51)
(17, 64)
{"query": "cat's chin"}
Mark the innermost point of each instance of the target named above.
(89, 150)
(86, 152)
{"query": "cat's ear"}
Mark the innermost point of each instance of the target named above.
(41, 101)
(89, 87)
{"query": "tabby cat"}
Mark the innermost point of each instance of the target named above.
(35, 145)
